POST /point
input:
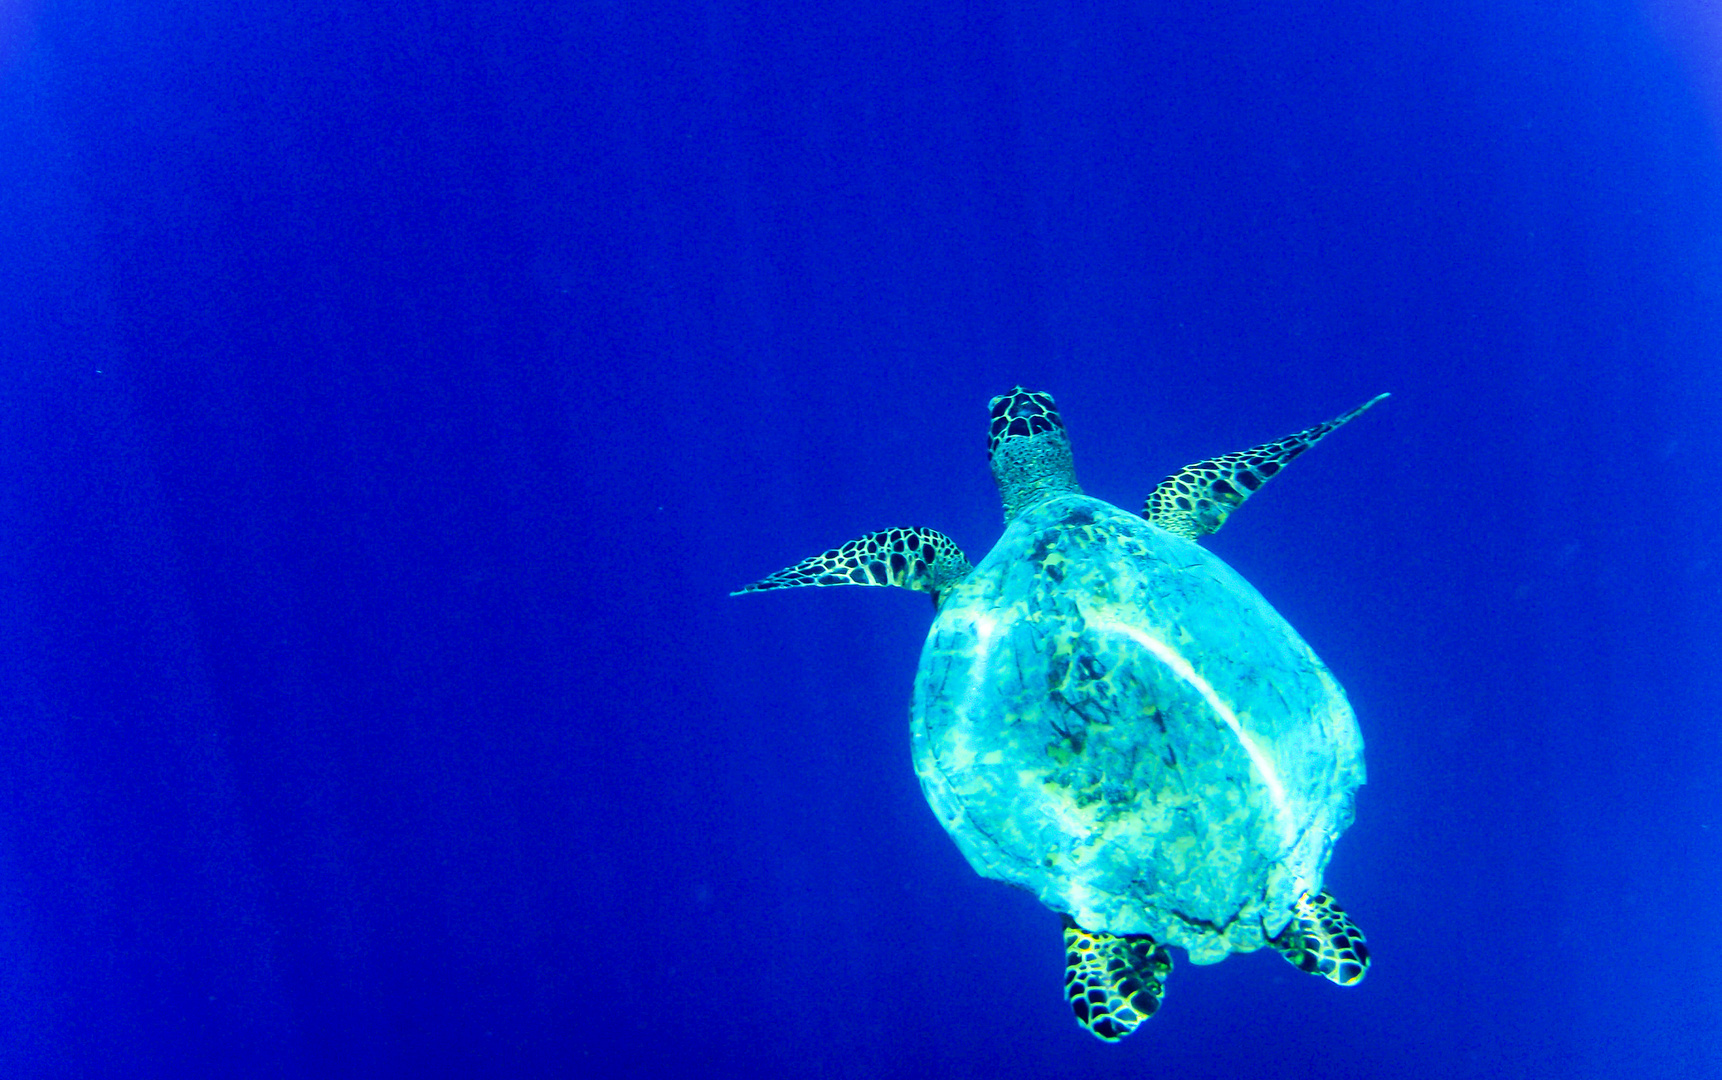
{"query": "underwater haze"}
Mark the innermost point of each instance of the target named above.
(392, 394)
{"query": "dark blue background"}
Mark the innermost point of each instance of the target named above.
(391, 394)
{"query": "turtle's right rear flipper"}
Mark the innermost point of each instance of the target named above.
(1322, 940)
(910, 558)
(1113, 982)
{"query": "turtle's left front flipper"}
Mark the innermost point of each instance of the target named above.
(1197, 499)
(1322, 940)
(910, 558)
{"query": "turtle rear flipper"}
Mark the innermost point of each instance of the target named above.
(1113, 982)
(1197, 499)
(910, 558)
(1322, 940)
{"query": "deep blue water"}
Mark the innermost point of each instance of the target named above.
(392, 395)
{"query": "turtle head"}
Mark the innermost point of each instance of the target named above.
(1029, 451)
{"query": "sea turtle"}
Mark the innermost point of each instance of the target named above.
(1110, 717)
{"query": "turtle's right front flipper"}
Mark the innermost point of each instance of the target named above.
(1197, 499)
(911, 558)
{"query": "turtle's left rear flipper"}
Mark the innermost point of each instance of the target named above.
(1113, 983)
(910, 558)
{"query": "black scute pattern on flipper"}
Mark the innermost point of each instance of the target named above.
(1113, 982)
(1322, 940)
(910, 558)
(1197, 499)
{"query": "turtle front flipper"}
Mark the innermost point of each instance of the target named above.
(910, 558)
(1322, 940)
(1113, 982)
(1197, 499)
